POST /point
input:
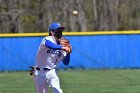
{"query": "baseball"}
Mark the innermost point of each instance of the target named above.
(75, 12)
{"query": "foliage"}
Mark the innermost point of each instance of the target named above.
(19, 16)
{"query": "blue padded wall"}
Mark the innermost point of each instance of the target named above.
(100, 51)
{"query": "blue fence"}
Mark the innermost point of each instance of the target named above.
(100, 51)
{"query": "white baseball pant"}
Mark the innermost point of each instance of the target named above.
(44, 79)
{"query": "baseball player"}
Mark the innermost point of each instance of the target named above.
(52, 50)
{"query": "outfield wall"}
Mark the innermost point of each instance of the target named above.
(90, 50)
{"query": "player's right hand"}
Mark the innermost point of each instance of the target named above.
(67, 49)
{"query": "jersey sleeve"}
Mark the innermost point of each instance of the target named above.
(52, 45)
(66, 59)
(48, 43)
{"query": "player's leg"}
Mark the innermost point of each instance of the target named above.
(55, 83)
(40, 84)
(45, 86)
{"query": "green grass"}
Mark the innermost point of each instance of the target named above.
(77, 81)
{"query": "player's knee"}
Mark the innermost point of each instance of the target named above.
(57, 90)
(55, 85)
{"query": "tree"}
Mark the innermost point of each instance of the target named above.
(18, 16)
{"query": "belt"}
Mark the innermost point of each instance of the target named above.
(45, 69)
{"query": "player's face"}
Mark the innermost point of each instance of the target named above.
(58, 33)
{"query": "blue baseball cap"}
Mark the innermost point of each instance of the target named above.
(54, 26)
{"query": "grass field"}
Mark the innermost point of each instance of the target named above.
(77, 81)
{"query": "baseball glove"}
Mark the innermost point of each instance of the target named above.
(31, 70)
(65, 43)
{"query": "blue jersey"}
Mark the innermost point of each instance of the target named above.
(50, 54)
